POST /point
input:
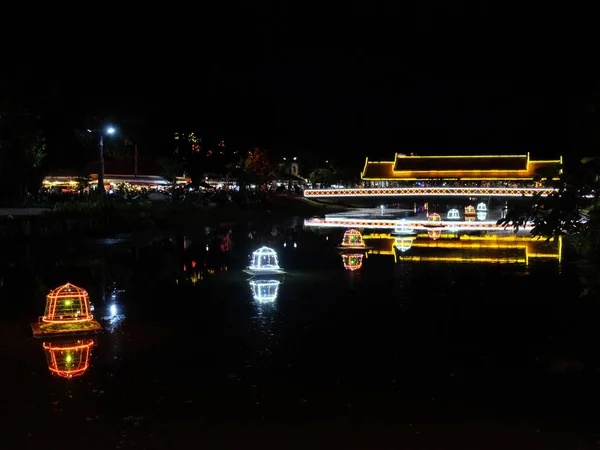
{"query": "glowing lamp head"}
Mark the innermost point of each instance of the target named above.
(110, 130)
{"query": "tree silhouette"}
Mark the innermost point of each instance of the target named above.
(258, 164)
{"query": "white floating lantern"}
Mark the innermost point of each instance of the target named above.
(265, 291)
(264, 261)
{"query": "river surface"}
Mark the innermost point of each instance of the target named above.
(428, 341)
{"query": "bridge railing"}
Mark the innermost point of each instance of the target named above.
(428, 191)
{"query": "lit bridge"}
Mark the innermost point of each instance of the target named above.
(427, 191)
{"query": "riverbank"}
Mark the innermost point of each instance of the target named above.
(129, 218)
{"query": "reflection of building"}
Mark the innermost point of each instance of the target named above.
(70, 358)
(265, 291)
(448, 247)
(454, 168)
(352, 261)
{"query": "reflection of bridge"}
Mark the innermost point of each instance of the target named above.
(474, 249)
(427, 191)
(409, 224)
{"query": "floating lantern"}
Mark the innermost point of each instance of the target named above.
(403, 227)
(353, 240)
(470, 210)
(453, 214)
(264, 261)
(67, 311)
(352, 261)
(482, 207)
(68, 359)
(434, 217)
(265, 291)
(404, 244)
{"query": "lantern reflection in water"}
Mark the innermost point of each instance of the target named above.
(265, 291)
(453, 214)
(68, 310)
(434, 234)
(404, 244)
(68, 358)
(352, 261)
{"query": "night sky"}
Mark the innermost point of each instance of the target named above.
(441, 78)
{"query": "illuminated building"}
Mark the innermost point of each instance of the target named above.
(453, 248)
(352, 261)
(264, 262)
(68, 359)
(452, 168)
(67, 311)
(264, 291)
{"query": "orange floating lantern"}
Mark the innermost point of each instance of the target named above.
(67, 311)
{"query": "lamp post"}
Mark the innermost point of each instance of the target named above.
(108, 130)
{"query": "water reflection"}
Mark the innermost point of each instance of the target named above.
(436, 246)
(68, 358)
(352, 261)
(265, 291)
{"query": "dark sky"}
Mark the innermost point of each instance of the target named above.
(440, 78)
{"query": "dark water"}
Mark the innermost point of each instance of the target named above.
(427, 353)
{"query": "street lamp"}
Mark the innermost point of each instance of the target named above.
(108, 130)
